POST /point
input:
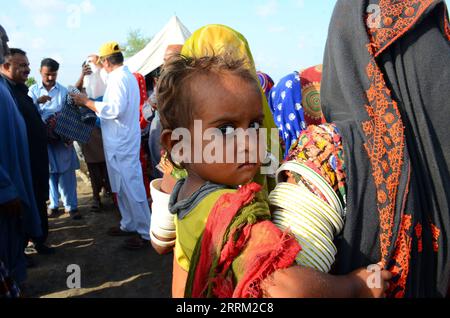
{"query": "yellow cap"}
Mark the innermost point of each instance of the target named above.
(109, 48)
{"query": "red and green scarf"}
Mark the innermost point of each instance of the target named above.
(239, 248)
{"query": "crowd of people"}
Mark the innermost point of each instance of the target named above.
(357, 205)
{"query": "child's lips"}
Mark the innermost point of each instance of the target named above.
(247, 166)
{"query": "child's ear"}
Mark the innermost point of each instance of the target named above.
(166, 140)
(177, 146)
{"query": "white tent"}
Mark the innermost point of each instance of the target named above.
(152, 56)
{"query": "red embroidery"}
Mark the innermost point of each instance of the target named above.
(401, 258)
(418, 230)
(436, 232)
(385, 140)
(397, 17)
(385, 147)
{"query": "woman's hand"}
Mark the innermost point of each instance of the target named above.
(370, 282)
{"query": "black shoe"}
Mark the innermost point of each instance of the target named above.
(54, 213)
(75, 215)
(43, 249)
(96, 206)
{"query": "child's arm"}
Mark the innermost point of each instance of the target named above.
(304, 282)
(167, 184)
(160, 249)
(179, 279)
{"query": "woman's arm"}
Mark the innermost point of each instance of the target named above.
(304, 282)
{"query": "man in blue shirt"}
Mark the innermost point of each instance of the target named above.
(18, 210)
(49, 97)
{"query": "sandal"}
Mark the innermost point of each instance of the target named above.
(136, 243)
(117, 231)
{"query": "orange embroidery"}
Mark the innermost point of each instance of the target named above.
(436, 233)
(388, 21)
(418, 230)
(385, 140)
(382, 197)
(390, 118)
(385, 147)
(409, 12)
(401, 258)
(397, 17)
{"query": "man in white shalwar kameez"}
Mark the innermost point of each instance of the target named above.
(119, 115)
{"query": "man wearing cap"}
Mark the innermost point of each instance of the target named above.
(119, 115)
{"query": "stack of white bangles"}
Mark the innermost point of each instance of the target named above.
(162, 224)
(314, 222)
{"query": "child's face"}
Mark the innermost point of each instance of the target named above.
(227, 102)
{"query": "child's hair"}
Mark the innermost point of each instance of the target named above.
(174, 93)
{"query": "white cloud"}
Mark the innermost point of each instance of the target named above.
(38, 43)
(87, 7)
(16, 38)
(45, 12)
(300, 3)
(43, 5)
(8, 23)
(57, 57)
(43, 20)
(276, 29)
(267, 9)
(301, 44)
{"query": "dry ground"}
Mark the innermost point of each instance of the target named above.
(107, 269)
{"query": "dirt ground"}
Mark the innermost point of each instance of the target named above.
(107, 269)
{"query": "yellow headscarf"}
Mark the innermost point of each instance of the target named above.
(216, 39)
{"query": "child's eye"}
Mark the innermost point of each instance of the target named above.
(255, 125)
(227, 129)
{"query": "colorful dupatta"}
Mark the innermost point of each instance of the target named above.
(310, 80)
(266, 83)
(285, 102)
(143, 124)
(144, 96)
(239, 248)
(217, 39)
(320, 148)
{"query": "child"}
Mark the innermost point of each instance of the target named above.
(226, 245)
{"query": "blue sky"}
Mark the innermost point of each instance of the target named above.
(284, 35)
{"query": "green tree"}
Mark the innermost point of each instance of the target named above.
(136, 41)
(30, 81)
